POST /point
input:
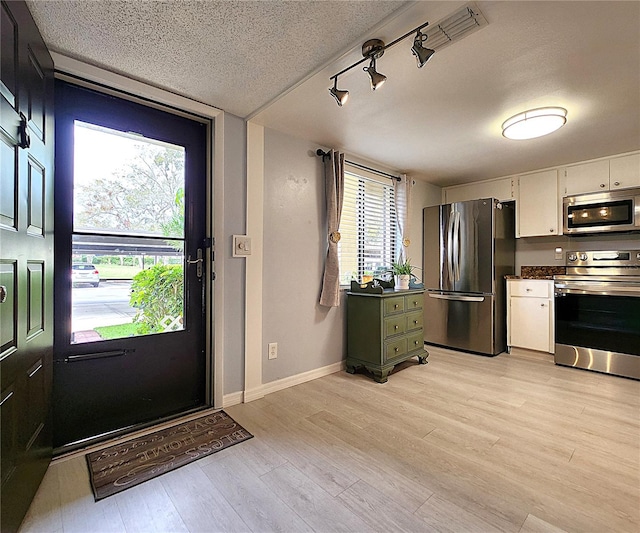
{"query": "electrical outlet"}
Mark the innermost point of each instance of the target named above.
(273, 350)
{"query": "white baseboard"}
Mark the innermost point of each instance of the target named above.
(291, 381)
(232, 399)
(235, 398)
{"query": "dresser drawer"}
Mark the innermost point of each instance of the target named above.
(414, 320)
(394, 305)
(415, 341)
(413, 301)
(394, 325)
(395, 349)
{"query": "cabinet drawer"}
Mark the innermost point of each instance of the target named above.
(394, 325)
(532, 288)
(413, 301)
(395, 349)
(394, 305)
(415, 341)
(414, 320)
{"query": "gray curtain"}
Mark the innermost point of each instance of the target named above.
(402, 189)
(334, 190)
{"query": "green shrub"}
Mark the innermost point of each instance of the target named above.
(157, 292)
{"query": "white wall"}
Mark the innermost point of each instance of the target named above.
(235, 206)
(309, 336)
(424, 195)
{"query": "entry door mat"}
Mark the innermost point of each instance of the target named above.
(130, 463)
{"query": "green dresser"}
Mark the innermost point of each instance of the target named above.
(384, 330)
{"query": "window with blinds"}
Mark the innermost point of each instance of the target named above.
(368, 229)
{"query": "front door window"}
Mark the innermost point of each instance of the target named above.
(127, 275)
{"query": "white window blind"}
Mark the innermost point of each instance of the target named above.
(368, 229)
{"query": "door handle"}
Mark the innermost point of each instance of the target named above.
(457, 298)
(450, 245)
(456, 249)
(198, 262)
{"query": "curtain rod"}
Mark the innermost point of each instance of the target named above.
(323, 154)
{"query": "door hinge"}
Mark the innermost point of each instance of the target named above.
(208, 242)
(213, 276)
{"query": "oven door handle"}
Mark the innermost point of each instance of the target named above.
(566, 288)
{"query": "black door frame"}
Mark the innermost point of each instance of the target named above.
(94, 78)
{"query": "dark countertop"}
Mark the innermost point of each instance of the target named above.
(539, 272)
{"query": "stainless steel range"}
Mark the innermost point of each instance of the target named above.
(597, 312)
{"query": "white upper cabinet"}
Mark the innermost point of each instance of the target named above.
(605, 175)
(588, 177)
(537, 206)
(502, 189)
(624, 172)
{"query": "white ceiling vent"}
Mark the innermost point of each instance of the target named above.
(463, 22)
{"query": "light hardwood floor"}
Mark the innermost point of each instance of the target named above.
(464, 443)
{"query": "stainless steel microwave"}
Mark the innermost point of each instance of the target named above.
(602, 212)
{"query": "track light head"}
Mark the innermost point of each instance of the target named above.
(377, 79)
(340, 96)
(422, 54)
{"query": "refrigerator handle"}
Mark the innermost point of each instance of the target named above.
(456, 245)
(456, 297)
(450, 245)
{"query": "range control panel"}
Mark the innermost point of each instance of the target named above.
(615, 258)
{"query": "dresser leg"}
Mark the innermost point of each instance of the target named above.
(422, 359)
(381, 375)
(351, 369)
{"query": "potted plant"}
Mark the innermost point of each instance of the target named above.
(402, 274)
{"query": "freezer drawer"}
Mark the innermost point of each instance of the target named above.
(464, 322)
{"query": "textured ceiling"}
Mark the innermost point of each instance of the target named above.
(440, 123)
(234, 55)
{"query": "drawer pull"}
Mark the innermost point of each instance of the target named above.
(528, 290)
(395, 327)
(415, 342)
(415, 321)
(396, 349)
(395, 306)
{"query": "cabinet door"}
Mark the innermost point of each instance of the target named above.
(624, 172)
(530, 323)
(537, 208)
(588, 177)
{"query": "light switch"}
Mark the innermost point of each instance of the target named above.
(241, 246)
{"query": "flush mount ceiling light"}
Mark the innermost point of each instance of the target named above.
(462, 22)
(534, 123)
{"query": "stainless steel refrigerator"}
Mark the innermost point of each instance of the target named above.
(468, 249)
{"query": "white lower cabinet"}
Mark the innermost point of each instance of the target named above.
(530, 319)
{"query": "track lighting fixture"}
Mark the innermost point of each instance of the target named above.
(340, 96)
(422, 54)
(372, 50)
(377, 79)
(462, 22)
